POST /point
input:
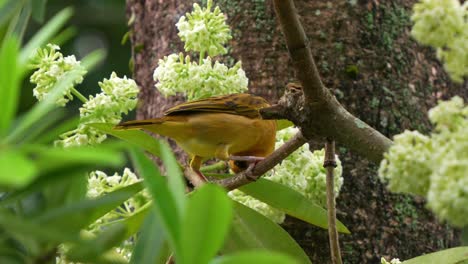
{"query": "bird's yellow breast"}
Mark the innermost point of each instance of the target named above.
(217, 135)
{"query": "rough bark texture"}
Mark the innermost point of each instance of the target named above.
(367, 58)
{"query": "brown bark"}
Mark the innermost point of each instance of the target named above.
(368, 61)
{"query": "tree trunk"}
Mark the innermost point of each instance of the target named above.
(366, 57)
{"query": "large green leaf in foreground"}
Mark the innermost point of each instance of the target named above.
(290, 201)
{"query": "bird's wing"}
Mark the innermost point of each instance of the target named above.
(236, 104)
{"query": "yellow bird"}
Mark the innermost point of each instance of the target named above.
(224, 127)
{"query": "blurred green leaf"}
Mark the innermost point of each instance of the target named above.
(42, 108)
(38, 9)
(51, 178)
(54, 132)
(88, 251)
(9, 83)
(151, 244)
(206, 224)
(251, 230)
(64, 36)
(17, 225)
(93, 59)
(291, 202)
(58, 166)
(448, 256)
(175, 177)
(135, 137)
(16, 170)
(48, 158)
(163, 199)
(283, 123)
(45, 34)
(80, 214)
(19, 24)
(44, 125)
(257, 257)
(136, 220)
(9, 9)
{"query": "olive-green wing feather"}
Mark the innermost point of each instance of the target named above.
(236, 104)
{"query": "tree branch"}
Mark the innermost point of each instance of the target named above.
(263, 166)
(299, 50)
(313, 108)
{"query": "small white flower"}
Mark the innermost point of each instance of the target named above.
(50, 66)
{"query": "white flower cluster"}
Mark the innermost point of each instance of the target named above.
(435, 166)
(302, 171)
(178, 74)
(118, 96)
(412, 174)
(99, 184)
(204, 30)
(51, 66)
(393, 261)
(443, 24)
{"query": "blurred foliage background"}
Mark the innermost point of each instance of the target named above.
(94, 25)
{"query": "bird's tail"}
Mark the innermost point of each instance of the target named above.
(139, 124)
(170, 126)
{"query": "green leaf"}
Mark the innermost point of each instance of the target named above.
(80, 214)
(18, 26)
(15, 169)
(45, 33)
(9, 83)
(38, 9)
(206, 224)
(64, 36)
(251, 230)
(93, 59)
(43, 125)
(174, 176)
(43, 107)
(88, 251)
(163, 200)
(283, 123)
(135, 137)
(257, 257)
(291, 202)
(47, 233)
(448, 256)
(49, 158)
(136, 220)
(54, 132)
(151, 245)
(8, 10)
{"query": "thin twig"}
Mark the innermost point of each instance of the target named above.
(193, 177)
(263, 166)
(330, 164)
